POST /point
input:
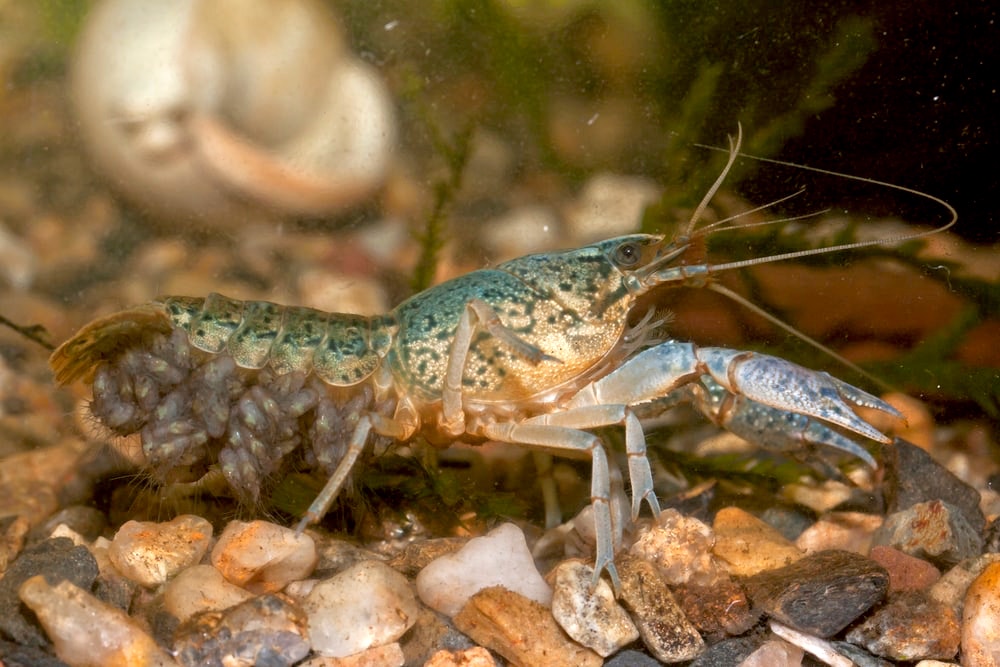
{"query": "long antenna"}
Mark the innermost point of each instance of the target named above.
(714, 268)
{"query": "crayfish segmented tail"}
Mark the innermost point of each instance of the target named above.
(535, 351)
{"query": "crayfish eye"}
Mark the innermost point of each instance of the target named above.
(627, 254)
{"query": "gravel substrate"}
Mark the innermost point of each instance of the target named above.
(439, 558)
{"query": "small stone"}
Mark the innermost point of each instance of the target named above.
(845, 531)
(470, 657)
(150, 553)
(521, 630)
(336, 555)
(664, 629)
(588, 613)
(774, 653)
(821, 593)
(30, 481)
(89, 522)
(266, 630)
(811, 644)
(952, 586)
(981, 620)
(934, 530)
(681, 547)
(906, 573)
(499, 558)
(909, 626)
(389, 655)
(859, 656)
(57, 559)
(85, 631)
(200, 588)
(632, 659)
(719, 609)
(912, 476)
(746, 545)
(418, 555)
(728, 652)
(263, 557)
(367, 605)
(430, 633)
(13, 530)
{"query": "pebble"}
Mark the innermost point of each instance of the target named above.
(58, 559)
(632, 659)
(952, 586)
(909, 626)
(201, 588)
(263, 557)
(774, 653)
(588, 613)
(821, 593)
(811, 644)
(417, 555)
(150, 553)
(367, 605)
(746, 545)
(906, 573)
(390, 655)
(933, 530)
(981, 620)
(13, 530)
(430, 633)
(470, 657)
(719, 609)
(664, 629)
(30, 481)
(265, 630)
(728, 652)
(521, 630)
(87, 632)
(681, 547)
(499, 558)
(859, 656)
(847, 531)
(89, 522)
(912, 476)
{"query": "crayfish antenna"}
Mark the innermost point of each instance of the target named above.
(717, 268)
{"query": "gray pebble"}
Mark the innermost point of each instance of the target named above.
(58, 560)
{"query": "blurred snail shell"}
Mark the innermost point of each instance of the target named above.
(209, 110)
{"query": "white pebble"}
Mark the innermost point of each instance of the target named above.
(263, 557)
(150, 553)
(367, 605)
(499, 558)
(680, 547)
(816, 646)
(588, 613)
(200, 588)
(774, 653)
(87, 632)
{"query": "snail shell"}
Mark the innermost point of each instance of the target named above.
(211, 110)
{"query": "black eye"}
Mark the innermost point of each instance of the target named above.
(627, 254)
